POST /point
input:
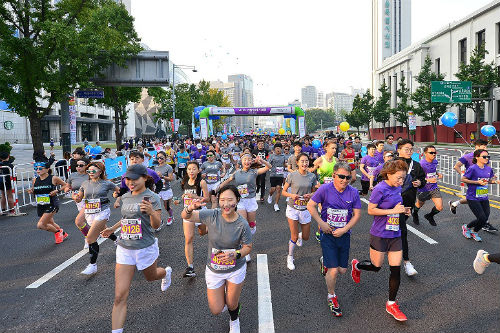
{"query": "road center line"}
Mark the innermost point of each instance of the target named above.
(265, 306)
(413, 230)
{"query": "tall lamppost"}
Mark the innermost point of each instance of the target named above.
(193, 68)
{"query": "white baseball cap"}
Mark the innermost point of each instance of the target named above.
(199, 146)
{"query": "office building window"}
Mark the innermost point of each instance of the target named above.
(462, 114)
(498, 37)
(438, 66)
(481, 38)
(481, 113)
(462, 50)
(497, 118)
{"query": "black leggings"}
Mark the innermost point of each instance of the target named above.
(261, 184)
(494, 257)
(404, 235)
(481, 210)
(181, 172)
(394, 278)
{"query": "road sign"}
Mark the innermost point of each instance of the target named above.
(451, 91)
(90, 94)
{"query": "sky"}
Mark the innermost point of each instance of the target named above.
(282, 45)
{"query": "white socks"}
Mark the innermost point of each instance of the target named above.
(331, 296)
(119, 330)
(456, 203)
(291, 247)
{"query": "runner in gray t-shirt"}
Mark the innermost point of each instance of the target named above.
(99, 189)
(278, 162)
(166, 173)
(299, 185)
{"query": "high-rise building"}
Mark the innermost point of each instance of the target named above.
(243, 97)
(309, 97)
(320, 100)
(396, 26)
(227, 88)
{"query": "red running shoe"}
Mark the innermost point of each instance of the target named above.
(394, 311)
(355, 272)
(60, 236)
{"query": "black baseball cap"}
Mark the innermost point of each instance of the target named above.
(135, 171)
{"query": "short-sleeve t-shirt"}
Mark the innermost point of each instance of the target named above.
(212, 171)
(166, 170)
(76, 179)
(97, 190)
(478, 192)
(386, 197)
(223, 235)
(430, 169)
(371, 164)
(337, 207)
(300, 184)
(278, 165)
(133, 216)
(245, 182)
(182, 159)
(292, 162)
(466, 160)
(379, 156)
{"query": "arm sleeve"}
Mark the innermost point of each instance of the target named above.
(376, 196)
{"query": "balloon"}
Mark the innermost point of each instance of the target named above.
(449, 119)
(281, 131)
(231, 136)
(316, 143)
(344, 126)
(271, 134)
(488, 130)
(224, 137)
(364, 151)
(197, 129)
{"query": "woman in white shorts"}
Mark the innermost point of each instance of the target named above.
(302, 184)
(229, 242)
(137, 246)
(166, 173)
(212, 171)
(94, 194)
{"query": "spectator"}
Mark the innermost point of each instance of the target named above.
(6, 184)
(62, 166)
(389, 143)
(77, 155)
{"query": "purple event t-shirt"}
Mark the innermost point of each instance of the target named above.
(430, 169)
(379, 156)
(151, 173)
(386, 197)
(198, 155)
(477, 192)
(328, 196)
(466, 160)
(369, 162)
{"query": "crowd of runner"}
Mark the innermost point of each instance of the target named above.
(223, 181)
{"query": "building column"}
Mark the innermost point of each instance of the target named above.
(96, 131)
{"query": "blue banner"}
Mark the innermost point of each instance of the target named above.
(115, 167)
(153, 156)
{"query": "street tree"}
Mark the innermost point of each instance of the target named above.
(382, 107)
(314, 118)
(353, 118)
(47, 51)
(425, 108)
(401, 111)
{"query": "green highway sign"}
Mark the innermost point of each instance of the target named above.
(451, 91)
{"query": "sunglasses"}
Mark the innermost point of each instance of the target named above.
(210, 155)
(161, 158)
(93, 171)
(344, 177)
(486, 156)
(38, 168)
(80, 165)
(431, 152)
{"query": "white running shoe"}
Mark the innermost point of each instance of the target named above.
(90, 269)
(248, 258)
(299, 240)
(224, 309)
(479, 263)
(86, 245)
(269, 199)
(289, 263)
(257, 196)
(167, 280)
(409, 269)
(253, 230)
(276, 208)
(170, 220)
(234, 326)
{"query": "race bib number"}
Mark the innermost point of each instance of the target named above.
(315, 155)
(198, 160)
(42, 199)
(168, 159)
(336, 218)
(392, 223)
(217, 264)
(371, 170)
(225, 156)
(187, 201)
(182, 165)
(92, 206)
(327, 180)
(350, 160)
(482, 191)
(431, 175)
(131, 229)
(280, 170)
(262, 155)
(212, 177)
(300, 203)
(243, 189)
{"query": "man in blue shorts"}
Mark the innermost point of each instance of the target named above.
(340, 211)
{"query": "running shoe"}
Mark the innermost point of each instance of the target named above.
(167, 280)
(170, 220)
(489, 228)
(90, 269)
(480, 263)
(453, 209)
(394, 311)
(299, 240)
(355, 272)
(276, 208)
(415, 218)
(333, 304)
(234, 326)
(466, 231)
(86, 245)
(429, 217)
(289, 263)
(269, 199)
(318, 236)
(253, 230)
(323, 268)
(60, 236)
(162, 224)
(248, 258)
(409, 269)
(475, 236)
(189, 272)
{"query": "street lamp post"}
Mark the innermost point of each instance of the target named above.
(193, 68)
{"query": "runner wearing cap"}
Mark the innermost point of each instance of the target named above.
(137, 246)
(166, 173)
(349, 155)
(170, 155)
(340, 211)
(368, 167)
(212, 171)
(199, 154)
(182, 159)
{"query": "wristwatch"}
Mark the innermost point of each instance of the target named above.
(238, 254)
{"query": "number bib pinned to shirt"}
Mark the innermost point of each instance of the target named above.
(42, 199)
(300, 203)
(350, 160)
(243, 189)
(131, 229)
(327, 180)
(336, 218)
(92, 206)
(217, 264)
(280, 170)
(182, 165)
(198, 160)
(482, 191)
(212, 177)
(371, 170)
(392, 223)
(225, 157)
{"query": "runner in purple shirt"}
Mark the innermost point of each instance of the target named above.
(199, 154)
(340, 211)
(477, 177)
(368, 166)
(430, 190)
(379, 153)
(385, 236)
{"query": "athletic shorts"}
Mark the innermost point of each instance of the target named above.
(46, 209)
(141, 258)
(212, 188)
(335, 250)
(101, 216)
(424, 196)
(80, 205)
(386, 244)
(276, 181)
(248, 204)
(166, 195)
(217, 280)
(303, 216)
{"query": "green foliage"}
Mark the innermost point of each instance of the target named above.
(6, 147)
(404, 106)
(382, 108)
(314, 117)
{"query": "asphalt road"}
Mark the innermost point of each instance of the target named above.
(446, 296)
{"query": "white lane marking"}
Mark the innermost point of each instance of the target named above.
(61, 267)
(67, 202)
(415, 231)
(265, 306)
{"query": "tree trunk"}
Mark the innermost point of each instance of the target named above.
(36, 133)
(368, 129)
(434, 131)
(118, 132)
(478, 129)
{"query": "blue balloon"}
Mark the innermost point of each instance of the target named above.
(449, 119)
(197, 129)
(316, 143)
(415, 157)
(271, 134)
(488, 130)
(364, 151)
(224, 137)
(197, 111)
